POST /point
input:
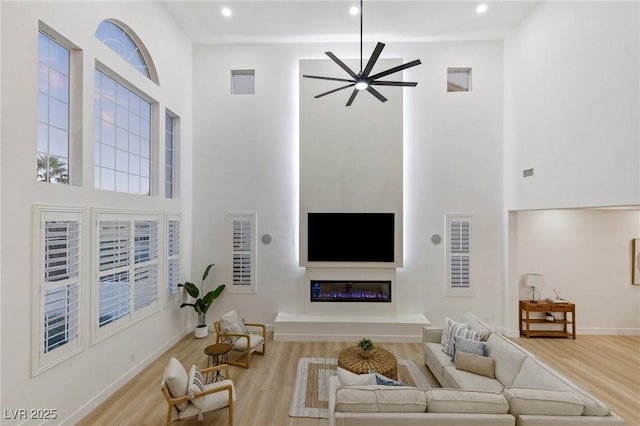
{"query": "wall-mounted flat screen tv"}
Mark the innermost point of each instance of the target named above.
(350, 237)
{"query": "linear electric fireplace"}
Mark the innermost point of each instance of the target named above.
(350, 291)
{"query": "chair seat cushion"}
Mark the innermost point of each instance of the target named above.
(254, 341)
(211, 402)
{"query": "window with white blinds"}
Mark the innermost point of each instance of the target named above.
(173, 254)
(242, 242)
(128, 282)
(458, 254)
(57, 309)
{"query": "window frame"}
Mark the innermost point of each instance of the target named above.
(133, 315)
(153, 139)
(41, 359)
(452, 290)
(175, 156)
(75, 104)
(168, 257)
(234, 286)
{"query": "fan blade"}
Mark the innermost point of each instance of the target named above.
(334, 90)
(352, 97)
(327, 78)
(377, 94)
(342, 65)
(396, 69)
(394, 83)
(372, 60)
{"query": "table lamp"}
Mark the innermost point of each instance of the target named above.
(533, 281)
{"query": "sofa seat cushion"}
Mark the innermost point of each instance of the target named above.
(471, 381)
(534, 374)
(380, 399)
(436, 359)
(509, 358)
(465, 401)
(543, 402)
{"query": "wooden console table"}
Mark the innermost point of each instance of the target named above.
(565, 322)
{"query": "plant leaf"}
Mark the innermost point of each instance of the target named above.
(192, 290)
(206, 271)
(187, 304)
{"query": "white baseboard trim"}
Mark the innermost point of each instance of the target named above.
(94, 402)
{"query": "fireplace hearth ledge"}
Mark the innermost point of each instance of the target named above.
(291, 327)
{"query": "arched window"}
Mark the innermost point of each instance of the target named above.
(125, 43)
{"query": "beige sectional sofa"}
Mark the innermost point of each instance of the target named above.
(523, 391)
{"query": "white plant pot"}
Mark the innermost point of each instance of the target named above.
(202, 332)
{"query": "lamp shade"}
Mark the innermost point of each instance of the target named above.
(534, 280)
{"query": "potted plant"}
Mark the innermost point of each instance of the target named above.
(201, 304)
(366, 347)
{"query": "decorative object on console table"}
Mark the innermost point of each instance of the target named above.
(543, 307)
(635, 260)
(533, 281)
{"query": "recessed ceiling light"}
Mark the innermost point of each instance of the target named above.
(481, 8)
(226, 11)
(354, 10)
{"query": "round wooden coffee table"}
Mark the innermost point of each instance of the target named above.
(381, 361)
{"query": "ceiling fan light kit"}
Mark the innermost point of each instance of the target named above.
(363, 80)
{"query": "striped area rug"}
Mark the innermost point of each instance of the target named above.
(310, 392)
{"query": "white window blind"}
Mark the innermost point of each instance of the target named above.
(243, 252)
(128, 281)
(173, 255)
(459, 254)
(58, 285)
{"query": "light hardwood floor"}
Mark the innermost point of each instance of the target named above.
(606, 366)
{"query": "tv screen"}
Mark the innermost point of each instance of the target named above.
(350, 237)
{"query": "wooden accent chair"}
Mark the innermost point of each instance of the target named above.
(183, 403)
(241, 341)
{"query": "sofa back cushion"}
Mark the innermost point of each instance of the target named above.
(534, 374)
(509, 358)
(464, 401)
(380, 399)
(177, 381)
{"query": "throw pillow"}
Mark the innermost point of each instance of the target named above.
(196, 384)
(457, 330)
(347, 378)
(177, 381)
(228, 318)
(476, 364)
(233, 328)
(448, 322)
(472, 346)
(386, 381)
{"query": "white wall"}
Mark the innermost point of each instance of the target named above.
(80, 383)
(572, 102)
(246, 159)
(586, 255)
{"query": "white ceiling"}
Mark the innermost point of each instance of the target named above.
(266, 21)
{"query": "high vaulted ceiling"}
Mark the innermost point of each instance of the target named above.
(330, 21)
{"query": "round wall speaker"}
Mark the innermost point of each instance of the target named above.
(267, 238)
(436, 239)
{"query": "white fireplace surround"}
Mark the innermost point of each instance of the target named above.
(349, 321)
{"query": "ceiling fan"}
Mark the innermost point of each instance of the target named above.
(362, 80)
